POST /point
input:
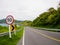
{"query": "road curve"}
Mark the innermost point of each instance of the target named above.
(40, 37)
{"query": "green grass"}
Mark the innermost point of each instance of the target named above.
(20, 27)
(6, 29)
(5, 40)
(3, 29)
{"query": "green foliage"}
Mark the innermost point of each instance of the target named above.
(6, 29)
(3, 29)
(50, 18)
(26, 23)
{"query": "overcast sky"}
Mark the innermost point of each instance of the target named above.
(25, 9)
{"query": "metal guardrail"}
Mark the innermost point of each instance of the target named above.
(7, 33)
(58, 30)
(3, 34)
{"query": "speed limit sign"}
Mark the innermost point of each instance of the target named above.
(9, 19)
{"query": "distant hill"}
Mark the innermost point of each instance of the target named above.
(26, 23)
(4, 21)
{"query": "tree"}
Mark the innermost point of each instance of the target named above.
(51, 10)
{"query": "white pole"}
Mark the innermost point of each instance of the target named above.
(9, 32)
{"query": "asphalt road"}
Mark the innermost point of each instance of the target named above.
(40, 37)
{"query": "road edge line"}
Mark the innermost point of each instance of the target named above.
(23, 36)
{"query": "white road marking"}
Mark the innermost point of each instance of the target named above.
(23, 36)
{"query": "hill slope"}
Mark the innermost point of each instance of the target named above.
(50, 18)
(4, 21)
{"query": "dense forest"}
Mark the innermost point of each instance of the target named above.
(50, 18)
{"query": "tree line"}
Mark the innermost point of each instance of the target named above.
(50, 18)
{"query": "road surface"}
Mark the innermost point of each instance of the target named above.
(40, 37)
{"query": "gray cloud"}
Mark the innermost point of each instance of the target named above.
(25, 9)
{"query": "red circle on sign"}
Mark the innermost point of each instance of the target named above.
(9, 19)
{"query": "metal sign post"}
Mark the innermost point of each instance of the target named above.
(9, 32)
(9, 21)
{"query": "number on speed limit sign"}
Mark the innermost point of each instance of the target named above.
(9, 19)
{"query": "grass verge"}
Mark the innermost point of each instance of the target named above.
(6, 29)
(5, 40)
(3, 29)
